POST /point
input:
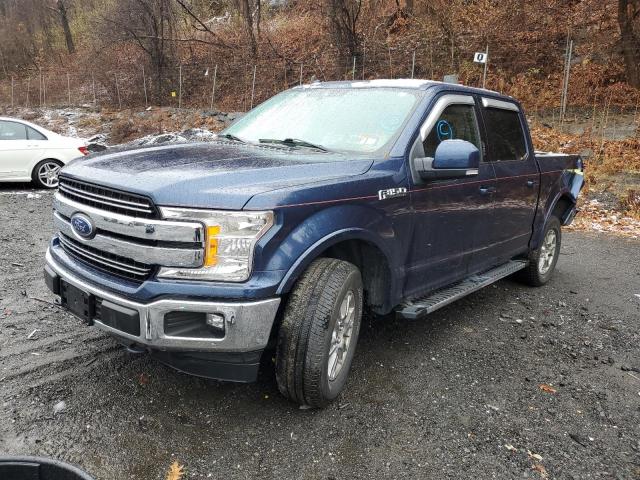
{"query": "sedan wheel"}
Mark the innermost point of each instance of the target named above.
(46, 174)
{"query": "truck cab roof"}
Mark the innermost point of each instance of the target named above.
(406, 83)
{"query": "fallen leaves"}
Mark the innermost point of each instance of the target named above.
(534, 456)
(175, 472)
(595, 217)
(541, 470)
(547, 388)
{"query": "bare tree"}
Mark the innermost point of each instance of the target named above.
(151, 24)
(343, 24)
(629, 23)
(62, 11)
(250, 10)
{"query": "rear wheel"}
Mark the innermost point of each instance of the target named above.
(45, 173)
(319, 332)
(542, 262)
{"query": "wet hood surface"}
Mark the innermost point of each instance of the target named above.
(212, 175)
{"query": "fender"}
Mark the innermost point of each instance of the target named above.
(331, 226)
(570, 185)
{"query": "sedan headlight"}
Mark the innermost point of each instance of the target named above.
(230, 238)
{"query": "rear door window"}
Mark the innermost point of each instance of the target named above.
(505, 135)
(34, 134)
(457, 121)
(12, 131)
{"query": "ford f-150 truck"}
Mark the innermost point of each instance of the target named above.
(325, 201)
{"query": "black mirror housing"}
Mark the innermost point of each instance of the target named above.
(453, 159)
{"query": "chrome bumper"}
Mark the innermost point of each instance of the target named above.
(247, 324)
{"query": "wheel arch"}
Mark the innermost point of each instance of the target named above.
(560, 206)
(353, 245)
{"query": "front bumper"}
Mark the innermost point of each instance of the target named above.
(247, 325)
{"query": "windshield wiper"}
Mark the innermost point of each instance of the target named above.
(294, 142)
(230, 136)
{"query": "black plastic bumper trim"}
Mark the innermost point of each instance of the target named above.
(231, 367)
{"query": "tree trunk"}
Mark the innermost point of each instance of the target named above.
(64, 19)
(628, 18)
(408, 6)
(245, 7)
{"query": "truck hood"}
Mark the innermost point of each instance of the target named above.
(221, 175)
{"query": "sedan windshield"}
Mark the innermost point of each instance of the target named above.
(361, 120)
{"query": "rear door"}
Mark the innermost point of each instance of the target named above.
(517, 177)
(451, 217)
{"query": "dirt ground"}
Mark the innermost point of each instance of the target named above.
(511, 382)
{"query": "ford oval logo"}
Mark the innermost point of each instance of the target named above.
(82, 225)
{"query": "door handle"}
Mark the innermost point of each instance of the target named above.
(530, 183)
(487, 190)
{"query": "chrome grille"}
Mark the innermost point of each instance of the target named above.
(107, 198)
(104, 261)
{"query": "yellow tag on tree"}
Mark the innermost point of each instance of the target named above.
(173, 94)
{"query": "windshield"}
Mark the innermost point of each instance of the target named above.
(343, 119)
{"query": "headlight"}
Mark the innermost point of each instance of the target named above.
(230, 238)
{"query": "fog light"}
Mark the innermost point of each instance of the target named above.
(215, 320)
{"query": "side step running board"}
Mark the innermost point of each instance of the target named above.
(420, 307)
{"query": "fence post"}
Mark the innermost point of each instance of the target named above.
(11, 91)
(115, 75)
(413, 64)
(69, 88)
(431, 57)
(301, 73)
(565, 85)
(93, 82)
(144, 86)
(390, 66)
(364, 55)
(180, 86)
(486, 66)
(253, 86)
(213, 90)
(44, 91)
(29, 86)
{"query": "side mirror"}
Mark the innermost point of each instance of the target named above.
(453, 159)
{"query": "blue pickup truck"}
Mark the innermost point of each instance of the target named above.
(325, 201)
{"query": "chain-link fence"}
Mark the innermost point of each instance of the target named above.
(239, 83)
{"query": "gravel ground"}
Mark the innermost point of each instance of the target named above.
(511, 382)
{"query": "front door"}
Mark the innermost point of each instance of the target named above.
(451, 217)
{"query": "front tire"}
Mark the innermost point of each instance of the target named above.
(319, 332)
(542, 262)
(45, 173)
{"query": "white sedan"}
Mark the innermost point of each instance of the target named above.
(29, 152)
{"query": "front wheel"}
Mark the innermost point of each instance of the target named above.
(542, 262)
(319, 332)
(45, 174)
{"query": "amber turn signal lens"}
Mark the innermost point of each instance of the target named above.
(211, 250)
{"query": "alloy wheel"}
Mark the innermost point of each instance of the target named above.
(341, 336)
(48, 174)
(547, 252)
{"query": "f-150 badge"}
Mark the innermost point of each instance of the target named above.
(392, 193)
